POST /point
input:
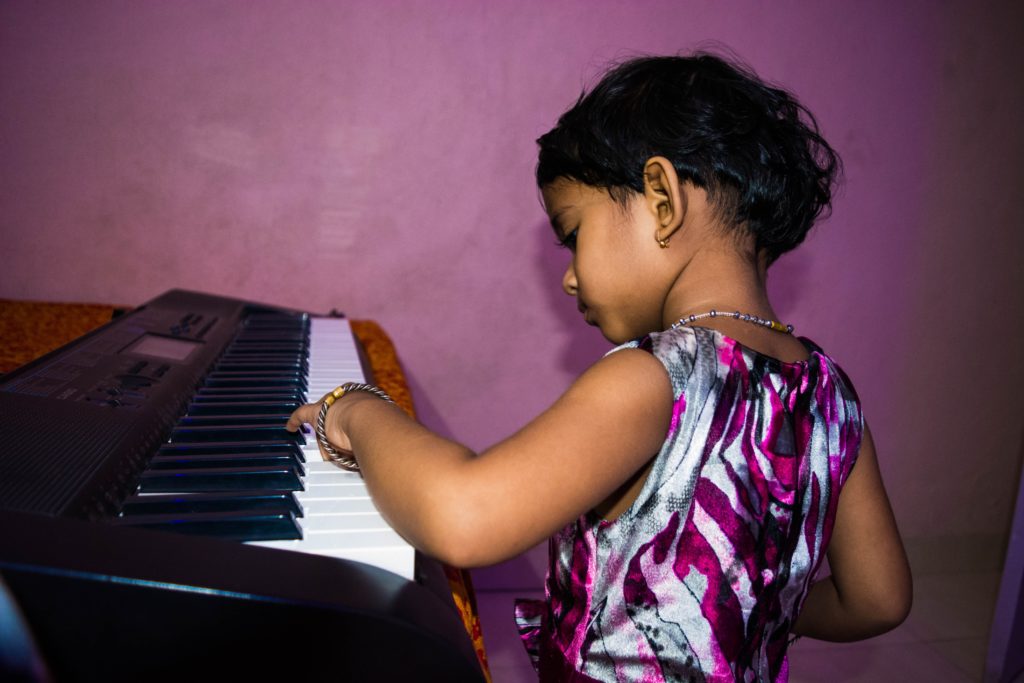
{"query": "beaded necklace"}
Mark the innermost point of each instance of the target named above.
(745, 317)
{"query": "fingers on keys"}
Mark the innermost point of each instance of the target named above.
(303, 414)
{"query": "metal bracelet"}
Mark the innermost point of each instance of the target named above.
(340, 457)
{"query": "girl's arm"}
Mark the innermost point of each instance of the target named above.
(471, 510)
(870, 589)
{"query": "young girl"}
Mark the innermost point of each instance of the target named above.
(690, 481)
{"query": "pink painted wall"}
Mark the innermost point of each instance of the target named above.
(377, 157)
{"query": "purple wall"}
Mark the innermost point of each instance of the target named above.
(377, 158)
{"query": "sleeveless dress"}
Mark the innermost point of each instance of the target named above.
(703, 576)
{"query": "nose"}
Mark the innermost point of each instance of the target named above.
(569, 284)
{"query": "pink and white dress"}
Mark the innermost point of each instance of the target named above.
(703, 576)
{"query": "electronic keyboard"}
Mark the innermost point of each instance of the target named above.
(155, 514)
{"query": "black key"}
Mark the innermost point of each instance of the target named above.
(232, 447)
(276, 340)
(244, 408)
(293, 321)
(184, 462)
(261, 347)
(255, 374)
(256, 365)
(191, 480)
(232, 420)
(276, 394)
(279, 357)
(241, 393)
(256, 325)
(253, 432)
(255, 381)
(256, 525)
(224, 501)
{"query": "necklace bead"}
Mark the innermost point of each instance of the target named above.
(745, 317)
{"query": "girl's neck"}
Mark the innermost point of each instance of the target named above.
(726, 280)
(722, 279)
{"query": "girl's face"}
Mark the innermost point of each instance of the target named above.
(615, 274)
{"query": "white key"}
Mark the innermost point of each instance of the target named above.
(384, 549)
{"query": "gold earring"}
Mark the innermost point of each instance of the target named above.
(663, 243)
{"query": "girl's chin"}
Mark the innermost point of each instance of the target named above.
(614, 336)
(610, 330)
(622, 333)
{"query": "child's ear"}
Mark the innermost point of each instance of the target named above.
(664, 198)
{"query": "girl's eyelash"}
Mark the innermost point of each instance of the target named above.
(569, 241)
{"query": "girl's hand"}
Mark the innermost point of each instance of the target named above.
(335, 434)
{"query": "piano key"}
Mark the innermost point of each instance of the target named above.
(243, 408)
(230, 447)
(261, 348)
(239, 392)
(220, 479)
(293, 375)
(319, 470)
(233, 420)
(252, 432)
(282, 364)
(344, 523)
(273, 419)
(259, 381)
(296, 332)
(222, 501)
(195, 461)
(274, 344)
(248, 525)
(254, 357)
(336, 542)
(335, 505)
(279, 394)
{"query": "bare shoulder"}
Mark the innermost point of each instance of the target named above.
(624, 401)
(634, 372)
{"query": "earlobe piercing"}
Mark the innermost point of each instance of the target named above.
(663, 243)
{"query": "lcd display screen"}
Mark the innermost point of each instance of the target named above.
(166, 348)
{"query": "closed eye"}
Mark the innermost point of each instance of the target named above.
(569, 241)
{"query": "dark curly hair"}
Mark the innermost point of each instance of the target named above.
(756, 151)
